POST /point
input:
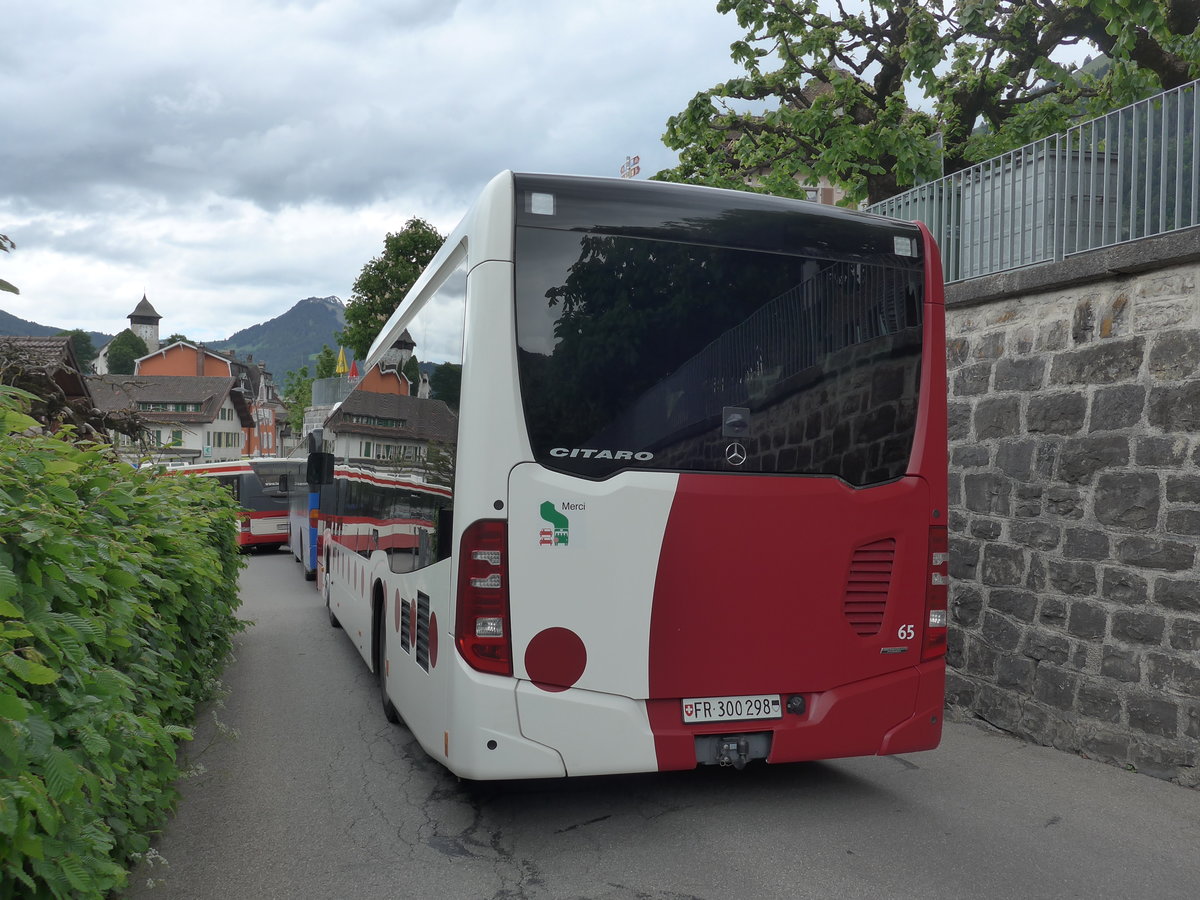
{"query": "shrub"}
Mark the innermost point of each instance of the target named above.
(118, 592)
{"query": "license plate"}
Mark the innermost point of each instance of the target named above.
(283, 527)
(732, 709)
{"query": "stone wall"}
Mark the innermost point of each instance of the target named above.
(1075, 509)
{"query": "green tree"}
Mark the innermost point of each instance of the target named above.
(85, 350)
(412, 370)
(445, 383)
(176, 338)
(826, 95)
(297, 395)
(384, 281)
(440, 462)
(297, 386)
(6, 244)
(637, 307)
(123, 351)
(326, 362)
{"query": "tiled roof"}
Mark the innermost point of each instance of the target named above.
(45, 350)
(114, 393)
(144, 310)
(56, 354)
(425, 420)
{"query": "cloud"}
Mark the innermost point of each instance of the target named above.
(230, 158)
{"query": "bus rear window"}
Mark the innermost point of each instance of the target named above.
(673, 355)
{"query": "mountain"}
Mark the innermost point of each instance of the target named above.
(11, 325)
(291, 340)
(284, 343)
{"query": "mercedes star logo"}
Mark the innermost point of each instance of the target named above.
(735, 454)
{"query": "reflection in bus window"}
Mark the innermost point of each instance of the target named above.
(394, 439)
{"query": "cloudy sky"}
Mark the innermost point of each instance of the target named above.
(230, 157)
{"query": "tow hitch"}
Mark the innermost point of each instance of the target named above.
(732, 749)
(734, 753)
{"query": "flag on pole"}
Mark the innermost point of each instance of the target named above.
(342, 368)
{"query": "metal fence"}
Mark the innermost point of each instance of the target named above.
(1127, 175)
(328, 391)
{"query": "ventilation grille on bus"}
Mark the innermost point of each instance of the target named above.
(406, 626)
(422, 641)
(867, 586)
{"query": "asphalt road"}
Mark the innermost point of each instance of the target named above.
(316, 796)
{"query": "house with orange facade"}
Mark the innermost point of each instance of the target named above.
(184, 359)
(384, 381)
(385, 378)
(256, 393)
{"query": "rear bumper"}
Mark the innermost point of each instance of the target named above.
(900, 712)
(599, 734)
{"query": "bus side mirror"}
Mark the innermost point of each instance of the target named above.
(320, 468)
(283, 484)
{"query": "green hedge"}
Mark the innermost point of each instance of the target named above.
(118, 592)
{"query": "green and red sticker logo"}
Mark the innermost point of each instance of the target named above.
(556, 525)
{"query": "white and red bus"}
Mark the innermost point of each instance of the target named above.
(264, 519)
(698, 508)
(288, 474)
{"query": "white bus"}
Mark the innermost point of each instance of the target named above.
(693, 506)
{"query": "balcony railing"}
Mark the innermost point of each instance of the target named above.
(1127, 175)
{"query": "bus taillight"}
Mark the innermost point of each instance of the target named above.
(481, 625)
(937, 595)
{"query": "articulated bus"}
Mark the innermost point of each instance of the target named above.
(693, 511)
(264, 519)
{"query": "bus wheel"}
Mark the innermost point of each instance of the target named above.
(389, 709)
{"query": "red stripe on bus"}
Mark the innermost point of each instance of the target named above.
(382, 523)
(392, 483)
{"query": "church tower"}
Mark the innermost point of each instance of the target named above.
(399, 353)
(143, 322)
